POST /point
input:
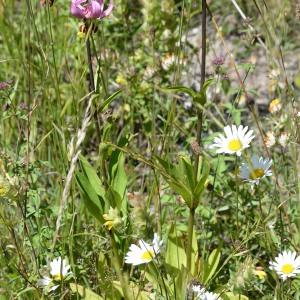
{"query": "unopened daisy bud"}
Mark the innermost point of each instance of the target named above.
(298, 114)
(270, 139)
(195, 147)
(275, 106)
(283, 139)
(260, 273)
(113, 220)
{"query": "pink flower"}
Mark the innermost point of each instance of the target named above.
(90, 9)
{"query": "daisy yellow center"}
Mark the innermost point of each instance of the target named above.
(257, 173)
(235, 145)
(57, 277)
(287, 268)
(148, 255)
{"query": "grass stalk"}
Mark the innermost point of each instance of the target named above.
(190, 238)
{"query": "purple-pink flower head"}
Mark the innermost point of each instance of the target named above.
(90, 9)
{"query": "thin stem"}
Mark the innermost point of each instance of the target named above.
(91, 73)
(92, 80)
(190, 238)
(203, 65)
(117, 264)
(236, 194)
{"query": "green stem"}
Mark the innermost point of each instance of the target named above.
(117, 265)
(190, 238)
(237, 194)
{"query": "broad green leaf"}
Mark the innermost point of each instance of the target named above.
(92, 176)
(212, 265)
(85, 293)
(113, 199)
(135, 291)
(90, 197)
(175, 253)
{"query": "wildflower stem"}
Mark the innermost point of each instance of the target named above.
(118, 268)
(91, 73)
(237, 194)
(190, 238)
(203, 64)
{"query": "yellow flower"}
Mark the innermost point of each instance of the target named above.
(4, 187)
(80, 35)
(260, 273)
(112, 218)
(121, 80)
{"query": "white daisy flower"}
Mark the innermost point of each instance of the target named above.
(203, 294)
(144, 253)
(47, 283)
(257, 169)
(59, 270)
(236, 139)
(286, 264)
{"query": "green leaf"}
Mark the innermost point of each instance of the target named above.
(212, 265)
(117, 173)
(175, 254)
(92, 176)
(107, 101)
(85, 293)
(187, 170)
(134, 290)
(113, 199)
(200, 97)
(181, 89)
(201, 184)
(90, 197)
(181, 283)
(175, 178)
